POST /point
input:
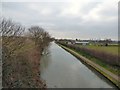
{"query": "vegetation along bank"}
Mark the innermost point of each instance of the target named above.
(21, 53)
(107, 64)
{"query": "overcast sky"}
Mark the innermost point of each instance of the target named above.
(83, 19)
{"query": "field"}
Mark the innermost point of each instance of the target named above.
(108, 49)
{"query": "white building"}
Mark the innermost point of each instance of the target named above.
(81, 43)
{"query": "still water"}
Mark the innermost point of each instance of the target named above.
(60, 69)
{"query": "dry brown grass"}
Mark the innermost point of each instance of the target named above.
(22, 69)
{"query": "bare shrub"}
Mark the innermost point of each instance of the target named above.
(12, 41)
(11, 35)
(21, 68)
(40, 37)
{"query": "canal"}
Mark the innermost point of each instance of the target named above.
(60, 69)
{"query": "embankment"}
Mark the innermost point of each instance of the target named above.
(112, 77)
(22, 69)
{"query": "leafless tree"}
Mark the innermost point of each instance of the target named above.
(36, 34)
(10, 28)
(11, 37)
(12, 41)
(13, 55)
(40, 36)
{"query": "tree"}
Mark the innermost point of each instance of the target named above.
(107, 41)
(40, 36)
(12, 41)
(11, 36)
(10, 28)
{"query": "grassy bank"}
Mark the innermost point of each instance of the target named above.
(101, 67)
(22, 68)
(21, 53)
(108, 49)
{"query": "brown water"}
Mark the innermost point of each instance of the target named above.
(60, 69)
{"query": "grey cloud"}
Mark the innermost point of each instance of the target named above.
(64, 26)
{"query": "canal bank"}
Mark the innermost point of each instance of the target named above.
(60, 69)
(110, 76)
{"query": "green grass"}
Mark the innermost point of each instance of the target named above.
(108, 49)
(98, 61)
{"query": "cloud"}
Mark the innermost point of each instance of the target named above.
(106, 10)
(40, 9)
(68, 18)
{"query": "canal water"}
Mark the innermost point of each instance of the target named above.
(60, 69)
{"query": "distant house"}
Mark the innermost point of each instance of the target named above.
(82, 43)
(71, 42)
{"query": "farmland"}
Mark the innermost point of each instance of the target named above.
(107, 49)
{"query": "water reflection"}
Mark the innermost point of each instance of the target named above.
(62, 70)
(45, 59)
